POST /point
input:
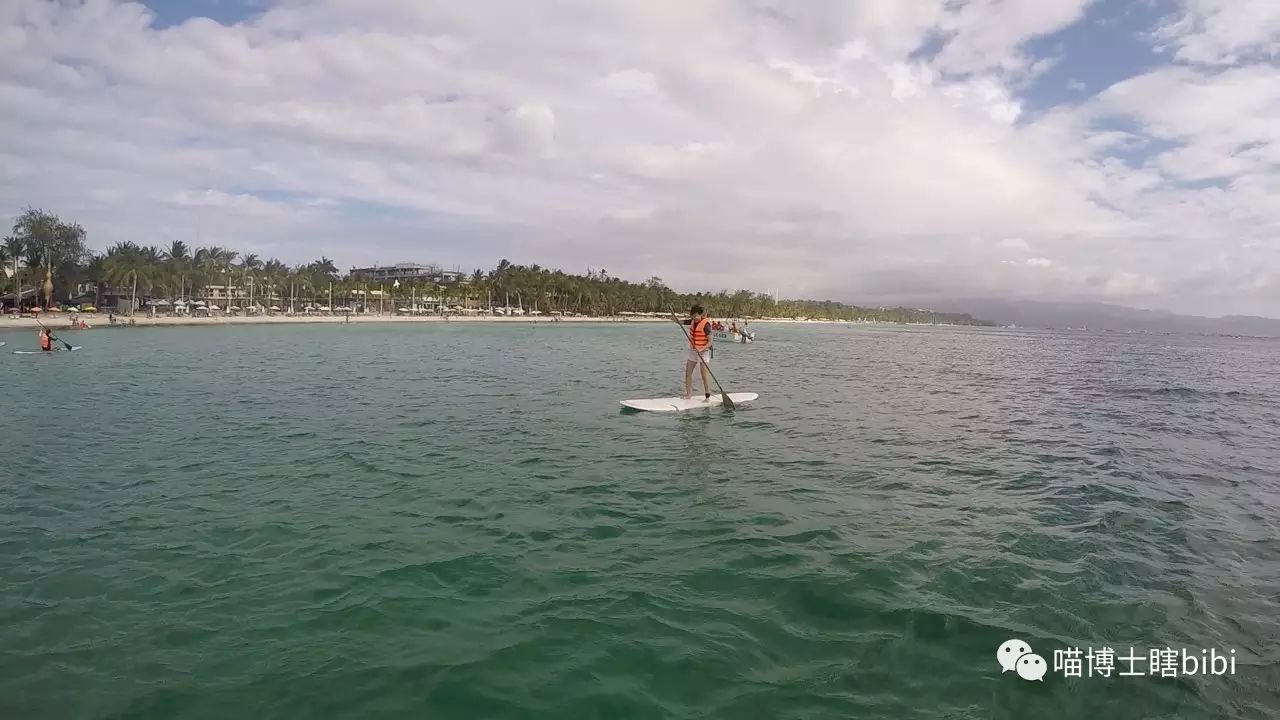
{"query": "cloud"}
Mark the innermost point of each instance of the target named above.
(990, 34)
(1223, 32)
(1130, 285)
(827, 148)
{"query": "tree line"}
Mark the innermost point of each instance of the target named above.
(41, 240)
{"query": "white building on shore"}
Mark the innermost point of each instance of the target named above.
(409, 271)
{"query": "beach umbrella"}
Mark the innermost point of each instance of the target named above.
(344, 309)
(275, 308)
(323, 308)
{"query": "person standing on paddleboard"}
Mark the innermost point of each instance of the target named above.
(46, 340)
(700, 351)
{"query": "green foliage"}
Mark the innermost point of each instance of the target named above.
(180, 272)
(41, 240)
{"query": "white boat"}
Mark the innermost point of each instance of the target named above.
(733, 337)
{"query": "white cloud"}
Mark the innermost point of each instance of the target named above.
(808, 142)
(631, 83)
(1222, 32)
(990, 33)
(1129, 285)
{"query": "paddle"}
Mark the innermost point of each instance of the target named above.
(55, 337)
(724, 396)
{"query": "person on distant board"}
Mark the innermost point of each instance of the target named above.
(46, 340)
(699, 352)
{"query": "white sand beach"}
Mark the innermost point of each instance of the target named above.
(98, 320)
(59, 322)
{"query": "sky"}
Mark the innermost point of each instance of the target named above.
(863, 151)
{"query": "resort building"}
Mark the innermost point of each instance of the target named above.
(408, 271)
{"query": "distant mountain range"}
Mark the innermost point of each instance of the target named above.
(1103, 316)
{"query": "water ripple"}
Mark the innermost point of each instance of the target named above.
(457, 521)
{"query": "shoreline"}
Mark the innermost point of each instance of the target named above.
(58, 323)
(99, 321)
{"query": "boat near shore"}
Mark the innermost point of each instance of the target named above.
(733, 336)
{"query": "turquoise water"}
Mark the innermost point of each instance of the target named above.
(459, 521)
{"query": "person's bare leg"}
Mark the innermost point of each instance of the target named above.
(706, 380)
(688, 379)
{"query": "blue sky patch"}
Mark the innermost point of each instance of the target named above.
(1109, 44)
(174, 12)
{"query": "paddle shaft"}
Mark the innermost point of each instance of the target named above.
(724, 396)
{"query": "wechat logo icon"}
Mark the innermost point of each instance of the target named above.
(1017, 656)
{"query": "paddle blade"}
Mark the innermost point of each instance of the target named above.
(724, 397)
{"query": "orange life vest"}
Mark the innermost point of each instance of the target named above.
(46, 342)
(699, 338)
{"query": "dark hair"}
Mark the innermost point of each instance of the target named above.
(696, 310)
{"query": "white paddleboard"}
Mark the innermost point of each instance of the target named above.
(676, 404)
(42, 352)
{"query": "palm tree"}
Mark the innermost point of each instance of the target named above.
(126, 264)
(178, 251)
(249, 267)
(277, 274)
(9, 254)
(478, 285)
(213, 265)
(157, 269)
(96, 271)
(324, 266)
(179, 261)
